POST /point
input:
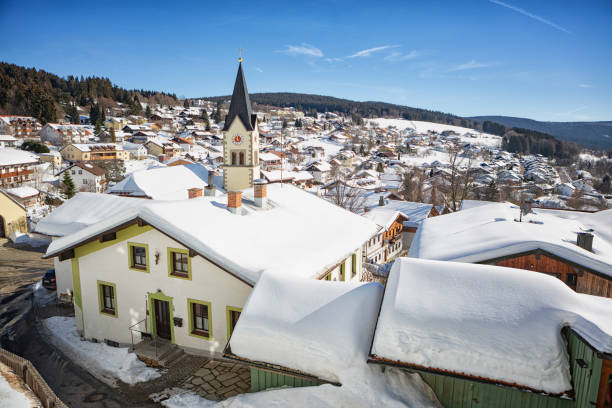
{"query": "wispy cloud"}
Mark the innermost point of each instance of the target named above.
(398, 56)
(585, 86)
(473, 64)
(303, 49)
(258, 69)
(530, 15)
(370, 51)
(336, 59)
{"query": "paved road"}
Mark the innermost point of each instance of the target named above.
(19, 267)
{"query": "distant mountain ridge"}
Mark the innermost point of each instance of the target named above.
(592, 134)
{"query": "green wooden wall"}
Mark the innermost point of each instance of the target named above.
(585, 380)
(262, 380)
(463, 393)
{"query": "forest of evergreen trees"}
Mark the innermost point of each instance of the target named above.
(32, 92)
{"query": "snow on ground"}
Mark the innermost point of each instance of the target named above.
(104, 362)
(13, 394)
(372, 388)
(331, 148)
(424, 156)
(483, 139)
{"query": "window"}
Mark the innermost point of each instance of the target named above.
(138, 255)
(107, 297)
(200, 324)
(233, 314)
(328, 277)
(571, 279)
(80, 171)
(234, 158)
(342, 270)
(84, 181)
(179, 263)
(353, 265)
(73, 172)
(242, 158)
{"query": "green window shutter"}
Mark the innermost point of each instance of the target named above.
(354, 265)
(342, 270)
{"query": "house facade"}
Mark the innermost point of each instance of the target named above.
(87, 177)
(16, 167)
(64, 134)
(94, 151)
(22, 127)
(12, 216)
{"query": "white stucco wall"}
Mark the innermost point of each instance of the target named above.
(209, 283)
(63, 275)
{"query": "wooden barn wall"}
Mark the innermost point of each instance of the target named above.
(585, 380)
(262, 380)
(455, 392)
(587, 282)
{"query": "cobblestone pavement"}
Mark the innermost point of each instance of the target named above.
(218, 380)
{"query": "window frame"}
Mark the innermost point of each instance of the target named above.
(353, 265)
(192, 331)
(170, 260)
(228, 316)
(131, 264)
(343, 271)
(101, 307)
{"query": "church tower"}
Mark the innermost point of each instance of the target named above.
(240, 140)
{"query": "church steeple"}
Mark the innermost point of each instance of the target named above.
(241, 104)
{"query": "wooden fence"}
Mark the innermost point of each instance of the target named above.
(30, 375)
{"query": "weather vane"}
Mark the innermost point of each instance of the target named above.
(240, 51)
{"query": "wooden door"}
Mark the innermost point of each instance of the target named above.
(1, 227)
(162, 319)
(604, 396)
(234, 316)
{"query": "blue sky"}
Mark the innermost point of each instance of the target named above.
(546, 60)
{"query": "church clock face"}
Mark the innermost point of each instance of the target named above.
(237, 139)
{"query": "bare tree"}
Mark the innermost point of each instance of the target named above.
(412, 185)
(460, 180)
(346, 196)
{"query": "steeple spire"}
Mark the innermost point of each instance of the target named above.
(241, 104)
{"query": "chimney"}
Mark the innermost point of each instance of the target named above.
(194, 192)
(585, 240)
(381, 201)
(210, 188)
(260, 192)
(162, 158)
(234, 201)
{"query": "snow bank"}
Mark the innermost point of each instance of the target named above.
(12, 392)
(481, 320)
(372, 388)
(490, 231)
(105, 362)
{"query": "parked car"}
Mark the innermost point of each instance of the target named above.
(48, 280)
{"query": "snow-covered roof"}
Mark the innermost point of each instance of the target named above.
(83, 210)
(165, 183)
(316, 327)
(9, 157)
(290, 229)
(22, 192)
(496, 323)
(493, 231)
(416, 212)
(268, 157)
(88, 147)
(383, 216)
(7, 138)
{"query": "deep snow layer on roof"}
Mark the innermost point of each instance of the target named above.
(23, 191)
(316, 327)
(15, 156)
(490, 231)
(382, 216)
(416, 212)
(165, 183)
(298, 234)
(83, 210)
(480, 320)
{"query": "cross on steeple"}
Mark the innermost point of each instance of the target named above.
(240, 51)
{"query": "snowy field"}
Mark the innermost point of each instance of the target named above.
(12, 393)
(106, 363)
(394, 388)
(482, 139)
(331, 148)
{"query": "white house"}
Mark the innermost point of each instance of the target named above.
(7, 141)
(87, 177)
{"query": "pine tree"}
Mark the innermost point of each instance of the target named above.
(148, 112)
(69, 188)
(186, 104)
(94, 113)
(380, 168)
(492, 193)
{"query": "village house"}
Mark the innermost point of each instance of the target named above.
(135, 151)
(12, 216)
(54, 157)
(7, 141)
(93, 151)
(22, 127)
(392, 223)
(575, 247)
(24, 195)
(160, 147)
(59, 134)
(196, 260)
(16, 167)
(87, 177)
